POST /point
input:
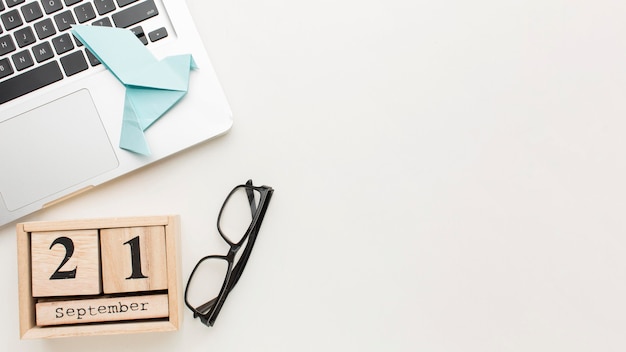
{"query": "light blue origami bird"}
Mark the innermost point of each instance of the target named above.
(152, 86)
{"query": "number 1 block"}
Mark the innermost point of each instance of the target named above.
(65, 263)
(133, 259)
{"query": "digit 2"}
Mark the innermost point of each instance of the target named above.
(69, 250)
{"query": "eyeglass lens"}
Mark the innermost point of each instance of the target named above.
(206, 283)
(236, 215)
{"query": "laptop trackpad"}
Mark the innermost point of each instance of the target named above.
(52, 148)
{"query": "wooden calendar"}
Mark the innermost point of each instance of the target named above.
(100, 276)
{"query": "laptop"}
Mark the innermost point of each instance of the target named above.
(61, 110)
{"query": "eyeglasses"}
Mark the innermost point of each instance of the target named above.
(215, 276)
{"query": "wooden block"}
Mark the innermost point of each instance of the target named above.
(65, 263)
(102, 309)
(28, 304)
(133, 259)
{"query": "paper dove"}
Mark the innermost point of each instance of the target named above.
(152, 86)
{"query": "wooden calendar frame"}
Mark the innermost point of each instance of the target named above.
(27, 317)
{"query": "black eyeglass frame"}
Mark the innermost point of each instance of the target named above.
(209, 311)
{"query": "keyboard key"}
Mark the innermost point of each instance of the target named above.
(22, 60)
(78, 42)
(62, 43)
(104, 6)
(1, 9)
(71, 2)
(84, 12)
(135, 14)
(64, 20)
(5, 68)
(122, 3)
(51, 6)
(11, 3)
(42, 52)
(93, 60)
(6, 44)
(32, 11)
(11, 19)
(105, 21)
(157, 34)
(138, 32)
(44, 28)
(29, 81)
(24, 36)
(74, 63)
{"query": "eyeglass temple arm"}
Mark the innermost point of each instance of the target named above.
(206, 307)
(238, 268)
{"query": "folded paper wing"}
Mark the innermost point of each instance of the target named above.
(152, 86)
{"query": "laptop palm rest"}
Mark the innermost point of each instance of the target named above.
(53, 157)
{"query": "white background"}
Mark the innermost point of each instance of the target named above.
(449, 176)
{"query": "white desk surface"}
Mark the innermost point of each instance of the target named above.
(449, 176)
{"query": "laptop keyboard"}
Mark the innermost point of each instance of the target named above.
(37, 48)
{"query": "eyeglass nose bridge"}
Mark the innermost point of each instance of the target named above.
(234, 248)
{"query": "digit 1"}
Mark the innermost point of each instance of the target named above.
(135, 257)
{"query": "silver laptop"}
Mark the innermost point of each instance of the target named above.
(61, 111)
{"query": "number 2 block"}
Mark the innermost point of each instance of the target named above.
(133, 259)
(65, 263)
